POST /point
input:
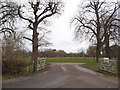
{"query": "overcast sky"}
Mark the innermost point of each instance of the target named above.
(62, 36)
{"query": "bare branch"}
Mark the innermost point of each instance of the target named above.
(28, 39)
(30, 26)
(44, 33)
(20, 15)
(7, 29)
(44, 44)
(86, 26)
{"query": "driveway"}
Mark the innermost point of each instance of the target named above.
(64, 75)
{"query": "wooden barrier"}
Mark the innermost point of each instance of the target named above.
(108, 65)
(41, 63)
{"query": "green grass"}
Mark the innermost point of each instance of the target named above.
(89, 62)
(91, 65)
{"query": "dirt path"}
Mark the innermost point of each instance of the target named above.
(65, 75)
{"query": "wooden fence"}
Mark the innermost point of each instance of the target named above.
(41, 63)
(108, 65)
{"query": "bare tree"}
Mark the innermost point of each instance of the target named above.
(11, 44)
(110, 26)
(8, 14)
(95, 20)
(39, 11)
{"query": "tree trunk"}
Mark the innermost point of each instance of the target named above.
(97, 54)
(118, 60)
(35, 49)
(98, 51)
(107, 48)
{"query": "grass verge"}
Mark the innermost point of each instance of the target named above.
(23, 75)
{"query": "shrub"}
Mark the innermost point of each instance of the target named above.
(16, 66)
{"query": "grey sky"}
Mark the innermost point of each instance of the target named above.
(62, 34)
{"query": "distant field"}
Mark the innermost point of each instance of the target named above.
(90, 62)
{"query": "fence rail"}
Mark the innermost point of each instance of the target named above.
(108, 65)
(41, 63)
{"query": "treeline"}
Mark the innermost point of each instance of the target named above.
(91, 52)
(59, 53)
(12, 49)
(10, 53)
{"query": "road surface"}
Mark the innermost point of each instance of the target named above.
(64, 75)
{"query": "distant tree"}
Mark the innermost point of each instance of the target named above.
(61, 53)
(54, 50)
(114, 51)
(49, 53)
(91, 51)
(11, 45)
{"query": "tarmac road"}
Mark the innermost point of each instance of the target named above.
(64, 75)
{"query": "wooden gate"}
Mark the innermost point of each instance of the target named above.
(108, 65)
(41, 63)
